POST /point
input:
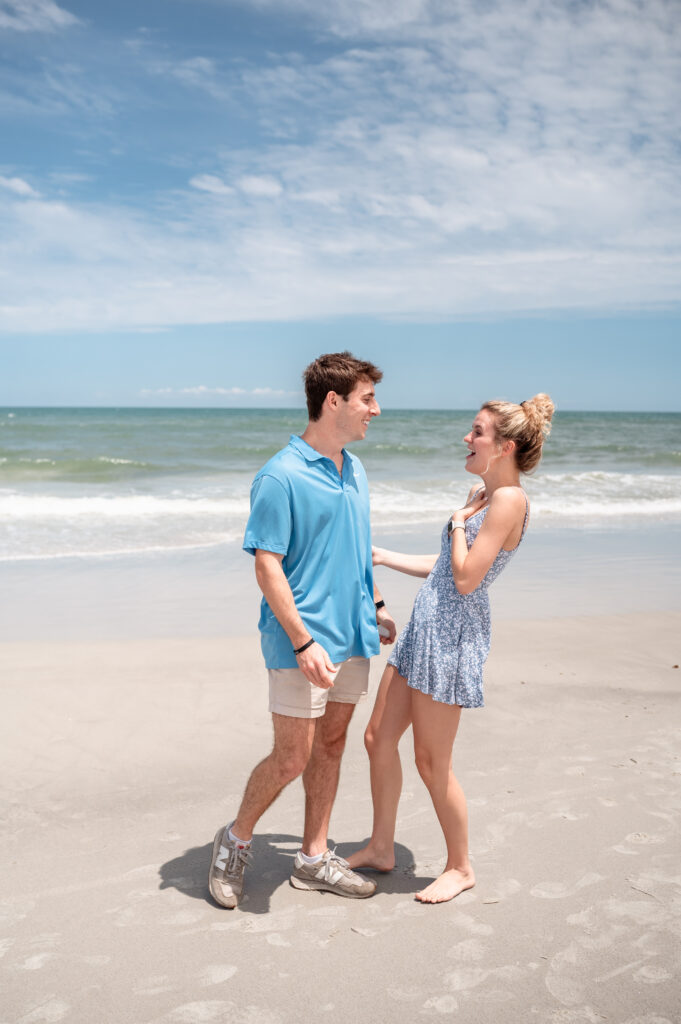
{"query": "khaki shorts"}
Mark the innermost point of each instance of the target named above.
(293, 695)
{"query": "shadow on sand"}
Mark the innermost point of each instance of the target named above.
(273, 856)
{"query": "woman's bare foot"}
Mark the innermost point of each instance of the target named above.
(447, 886)
(370, 857)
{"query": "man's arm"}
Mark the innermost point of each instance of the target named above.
(313, 662)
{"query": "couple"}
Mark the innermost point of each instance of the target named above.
(322, 614)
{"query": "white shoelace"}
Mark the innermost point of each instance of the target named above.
(333, 861)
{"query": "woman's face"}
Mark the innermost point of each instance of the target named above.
(482, 443)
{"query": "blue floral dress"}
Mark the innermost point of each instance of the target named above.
(442, 649)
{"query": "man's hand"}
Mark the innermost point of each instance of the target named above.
(385, 619)
(317, 667)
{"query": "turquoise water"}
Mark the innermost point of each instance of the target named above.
(92, 482)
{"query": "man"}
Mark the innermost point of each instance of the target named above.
(309, 531)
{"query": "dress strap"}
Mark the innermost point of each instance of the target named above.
(527, 514)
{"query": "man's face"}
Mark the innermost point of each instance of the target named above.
(356, 411)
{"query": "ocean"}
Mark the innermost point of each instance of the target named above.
(94, 483)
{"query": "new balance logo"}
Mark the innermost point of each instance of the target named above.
(333, 878)
(221, 859)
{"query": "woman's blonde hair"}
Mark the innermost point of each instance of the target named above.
(527, 424)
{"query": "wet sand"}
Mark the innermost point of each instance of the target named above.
(119, 759)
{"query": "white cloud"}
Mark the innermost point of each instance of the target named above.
(34, 16)
(197, 73)
(59, 89)
(321, 196)
(274, 392)
(467, 160)
(210, 183)
(357, 17)
(18, 186)
(203, 391)
(260, 186)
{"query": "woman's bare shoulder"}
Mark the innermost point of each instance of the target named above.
(508, 499)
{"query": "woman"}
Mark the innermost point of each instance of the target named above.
(436, 667)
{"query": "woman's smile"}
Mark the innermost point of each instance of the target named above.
(481, 442)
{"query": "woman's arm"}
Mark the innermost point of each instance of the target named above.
(412, 565)
(384, 618)
(469, 566)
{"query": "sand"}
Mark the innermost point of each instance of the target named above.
(120, 760)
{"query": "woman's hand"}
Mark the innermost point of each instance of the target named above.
(475, 503)
(389, 631)
(412, 565)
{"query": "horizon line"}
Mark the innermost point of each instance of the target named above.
(295, 408)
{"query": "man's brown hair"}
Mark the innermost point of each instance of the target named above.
(336, 371)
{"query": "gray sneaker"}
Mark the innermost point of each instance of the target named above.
(226, 875)
(332, 874)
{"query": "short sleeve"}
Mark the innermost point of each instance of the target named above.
(269, 524)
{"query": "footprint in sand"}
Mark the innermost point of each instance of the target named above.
(404, 995)
(330, 911)
(216, 974)
(643, 839)
(559, 890)
(34, 963)
(503, 889)
(468, 951)
(565, 978)
(652, 975)
(278, 921)
(154, 985)
(440, 1004)
(206, 1012)
(186, 917)
(648, 1018)
(49, 1012)
(472, 925)
(218, 1011)
(465, 977)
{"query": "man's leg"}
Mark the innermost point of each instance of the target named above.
(293, 742)
(320, 778)
(293, 738)
(315, 867)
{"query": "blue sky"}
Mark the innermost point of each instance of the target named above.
(197, 196)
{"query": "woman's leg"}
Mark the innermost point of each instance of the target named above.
(435, 727)
(389, 719)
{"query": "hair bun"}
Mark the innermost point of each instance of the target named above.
(539, 411)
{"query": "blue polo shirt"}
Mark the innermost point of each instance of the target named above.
(318, 519)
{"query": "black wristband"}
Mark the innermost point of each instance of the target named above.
(379, 604)
(303, 648)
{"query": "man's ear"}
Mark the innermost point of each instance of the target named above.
(332, 399)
